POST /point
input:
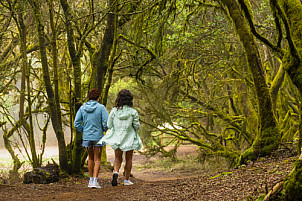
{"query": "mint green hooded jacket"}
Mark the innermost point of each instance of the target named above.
(123, 125)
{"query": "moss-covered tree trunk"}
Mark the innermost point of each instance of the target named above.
(75, 56)
(268, 136)
(26, 68)
(293, 185)
(54, 51)
(290, 12)
(57, 125)
(25, 83)
(292, 60)
(100, 58)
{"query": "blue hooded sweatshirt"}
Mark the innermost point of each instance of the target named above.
(94, 117)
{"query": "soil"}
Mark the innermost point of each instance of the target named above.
(159, 183)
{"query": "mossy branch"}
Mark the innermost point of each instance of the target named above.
(13, 61)
(292, 47)
(153, 56)
(91, 48)
(208, 5)
(277, 22)
(279, 52)
(5, 86)
(127, 16)
(137, 45)
(224, 117)
(9, 48)
(276, 84)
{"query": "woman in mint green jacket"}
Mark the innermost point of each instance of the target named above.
(123, 125)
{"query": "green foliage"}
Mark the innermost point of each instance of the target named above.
(122, 84)
(119, 84)
(293, 184)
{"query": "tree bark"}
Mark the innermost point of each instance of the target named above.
(46, 77)
(75, 58)
(292, 64)
(54, 58)
(26, 70)
(25, 81)
(268, 135)
(292, 60)
(100, 59)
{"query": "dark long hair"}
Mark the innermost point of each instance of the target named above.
(124, 97)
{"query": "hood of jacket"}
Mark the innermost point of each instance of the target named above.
(90, 106)
(123, 113)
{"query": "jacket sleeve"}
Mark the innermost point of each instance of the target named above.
(104, 118)
(78, 121)
(110, 119)
(135, 122)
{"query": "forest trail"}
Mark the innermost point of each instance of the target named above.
(158, 184)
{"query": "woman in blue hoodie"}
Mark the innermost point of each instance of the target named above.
(94, 117)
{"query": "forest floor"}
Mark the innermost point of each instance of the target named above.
(158, 178)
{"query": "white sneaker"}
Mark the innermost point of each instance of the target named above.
(91, 184)
(128, 183)
(94, 184)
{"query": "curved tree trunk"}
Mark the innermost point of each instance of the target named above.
(268, 135)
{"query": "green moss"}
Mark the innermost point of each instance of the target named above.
(267, 141)
(249, 154)
(293, 10)
(293, 185)
(261, 197)
(263, 145)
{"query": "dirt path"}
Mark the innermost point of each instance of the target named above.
(153, 183)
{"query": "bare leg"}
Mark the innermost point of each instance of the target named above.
(90, 151)
(97, 160)
(128, 164)
(118, 159)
